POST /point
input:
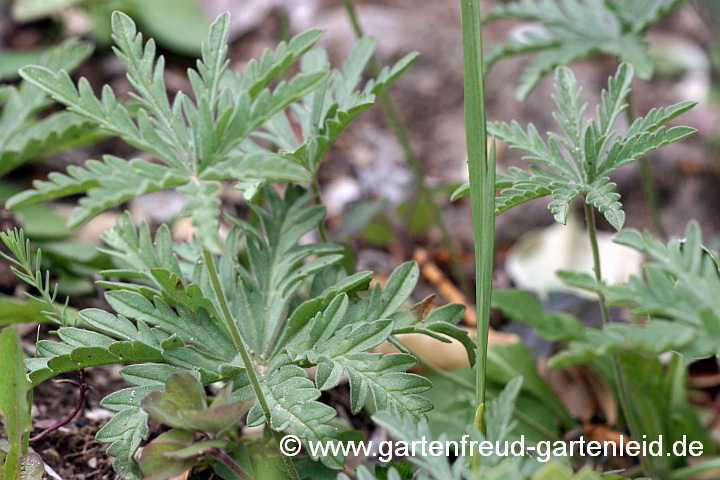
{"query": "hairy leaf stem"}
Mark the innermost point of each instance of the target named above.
(592, 234)
(240, 345)
(321, 226)
(416, 167)
(620, 381)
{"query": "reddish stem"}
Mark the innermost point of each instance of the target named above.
(84, 387)
(228, 460)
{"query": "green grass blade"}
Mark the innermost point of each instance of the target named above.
(482, 184)
(14, 400)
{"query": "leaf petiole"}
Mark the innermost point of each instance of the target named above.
(622, 386)
(247, 362)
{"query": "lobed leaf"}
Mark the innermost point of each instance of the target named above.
(499, 421)
(196, 140)
(614, 99)
(439, 324)
(124, 432)
(521, 306)
(293, 401)
(579, 161)
(643, 13)
(137, 253)
(43, 138)
(305, 312)
(655, 338)
(145, 378)
(107, 183)
(602, 197)
(326, 112)
(276, 266)
(108, 114)
(259, 73)
(24, 137)
(638, 145)
(407, 429)
(183, 405)
(380, 381)
(576, 29)
(147, 78)
(525, 187)
(681, 285)
(82, 349)
(156, 463)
